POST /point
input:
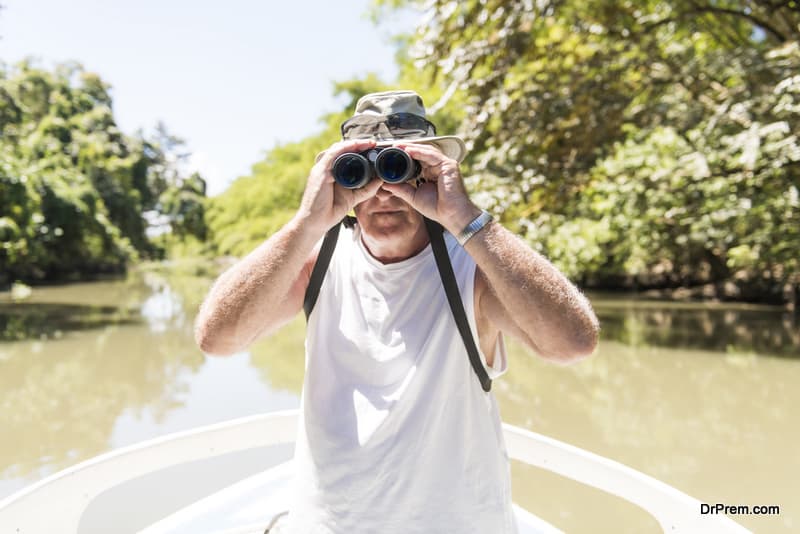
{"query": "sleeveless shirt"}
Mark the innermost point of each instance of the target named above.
(396, 434)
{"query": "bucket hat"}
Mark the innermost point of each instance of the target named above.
(392, 116)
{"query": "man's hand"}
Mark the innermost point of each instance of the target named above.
(325, 202)
(442, 197)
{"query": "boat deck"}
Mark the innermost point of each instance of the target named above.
(250, 505)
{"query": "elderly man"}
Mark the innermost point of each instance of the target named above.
(398, 434)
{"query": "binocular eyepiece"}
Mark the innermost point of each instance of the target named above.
(391, 164)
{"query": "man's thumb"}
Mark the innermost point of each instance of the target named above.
(366, 192)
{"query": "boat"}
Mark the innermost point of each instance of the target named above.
(60, 502)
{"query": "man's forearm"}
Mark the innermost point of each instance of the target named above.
(255, 295)
(542, 302)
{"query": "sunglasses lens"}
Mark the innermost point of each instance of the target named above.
(400, 125)
(409, 121)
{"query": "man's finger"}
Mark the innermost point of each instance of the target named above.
(426, 154)
(342, 147)
(402, 191)
(366, 192)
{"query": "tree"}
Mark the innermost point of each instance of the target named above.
(73, 187)
(649, 142)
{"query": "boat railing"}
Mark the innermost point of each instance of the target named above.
(674, 510)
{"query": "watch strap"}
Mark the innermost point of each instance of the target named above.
(474, 227)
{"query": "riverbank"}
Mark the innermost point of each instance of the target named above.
(787, 296)
(749, 289)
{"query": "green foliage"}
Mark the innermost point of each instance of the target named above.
(256, 206)
(73, 188)
(634, 143)
(653, 142)
(184, 207)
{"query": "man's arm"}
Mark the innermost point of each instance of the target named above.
(266, 288)
(518, 291)
(260, 293)
(524, 295)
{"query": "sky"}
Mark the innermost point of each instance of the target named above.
(232, 79)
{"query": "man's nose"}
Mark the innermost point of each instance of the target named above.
(383, 194)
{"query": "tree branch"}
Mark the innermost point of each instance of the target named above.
(725, 11)
(698, 9)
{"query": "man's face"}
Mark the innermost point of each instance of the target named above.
(386, 221)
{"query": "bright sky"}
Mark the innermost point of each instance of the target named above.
(231, 78)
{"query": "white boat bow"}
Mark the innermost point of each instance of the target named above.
(59, 501)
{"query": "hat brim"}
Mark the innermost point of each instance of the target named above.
(451, 146)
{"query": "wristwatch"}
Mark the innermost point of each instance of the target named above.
(474, 227)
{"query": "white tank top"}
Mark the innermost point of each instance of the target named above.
(396, 433)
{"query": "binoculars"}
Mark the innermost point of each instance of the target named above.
(393, 165)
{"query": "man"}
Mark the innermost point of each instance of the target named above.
(397, 434)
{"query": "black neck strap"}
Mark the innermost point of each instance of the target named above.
(443, 264)
(436, 234)
(321, 265)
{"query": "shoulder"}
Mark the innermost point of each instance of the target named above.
(333, 253)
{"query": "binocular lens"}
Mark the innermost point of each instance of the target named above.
(393, 165)
(351, 170)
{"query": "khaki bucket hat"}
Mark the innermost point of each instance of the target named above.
(392, 116)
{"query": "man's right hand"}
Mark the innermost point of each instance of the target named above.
(325, 202)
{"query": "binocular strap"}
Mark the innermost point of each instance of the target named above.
(320, 267)
(435, 233)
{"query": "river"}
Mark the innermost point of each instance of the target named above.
(702, 396)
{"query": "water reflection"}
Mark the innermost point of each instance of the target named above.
(23, 320)
(50, 312)
(164, 308)
(60, 399)
(81, 356)
(729, 328)
(280, 358)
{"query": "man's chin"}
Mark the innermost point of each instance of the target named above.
(388, 226)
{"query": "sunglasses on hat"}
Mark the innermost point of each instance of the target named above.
(399, 125)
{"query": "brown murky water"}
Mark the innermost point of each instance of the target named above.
(703, 397)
